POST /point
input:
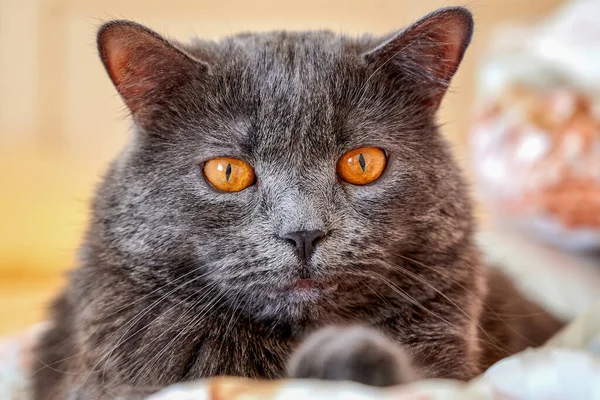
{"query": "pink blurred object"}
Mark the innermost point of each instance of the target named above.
(536, 136)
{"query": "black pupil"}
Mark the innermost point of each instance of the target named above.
(361, 161)
(228, 172)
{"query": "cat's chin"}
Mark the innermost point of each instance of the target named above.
(298, 300)
(303, 290)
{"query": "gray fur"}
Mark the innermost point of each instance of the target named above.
(176, 280)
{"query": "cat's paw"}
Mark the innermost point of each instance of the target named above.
(351, 354)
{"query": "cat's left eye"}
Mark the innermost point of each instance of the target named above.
(229, 174)
(362, 166)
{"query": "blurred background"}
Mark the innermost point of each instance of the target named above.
(61, 120)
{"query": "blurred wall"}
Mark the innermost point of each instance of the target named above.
(61, 120)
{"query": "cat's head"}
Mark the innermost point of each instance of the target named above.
(238, 187)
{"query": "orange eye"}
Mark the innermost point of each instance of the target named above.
(361, 166)
(229, 174)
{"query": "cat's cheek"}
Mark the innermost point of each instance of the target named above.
(208, 207)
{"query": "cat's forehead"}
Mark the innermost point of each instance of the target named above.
(282, 51)
(299, 93)
(283, 40)
(287, 87)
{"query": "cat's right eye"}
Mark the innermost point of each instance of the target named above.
(229, 174)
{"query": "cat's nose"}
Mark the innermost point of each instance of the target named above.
(305, 242)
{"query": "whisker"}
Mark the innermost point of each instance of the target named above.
(457, 283)
(140, 315)
(195, 321)
(50, 366)
(151, 293)
(189, 309)
(490, 339)
(406, 296)
(167, 311)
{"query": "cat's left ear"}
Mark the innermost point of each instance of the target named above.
(428, 52)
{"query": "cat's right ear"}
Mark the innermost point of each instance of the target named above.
(144, 66)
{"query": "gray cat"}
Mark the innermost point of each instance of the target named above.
(277, 184)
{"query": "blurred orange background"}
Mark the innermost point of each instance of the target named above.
(61, 120)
